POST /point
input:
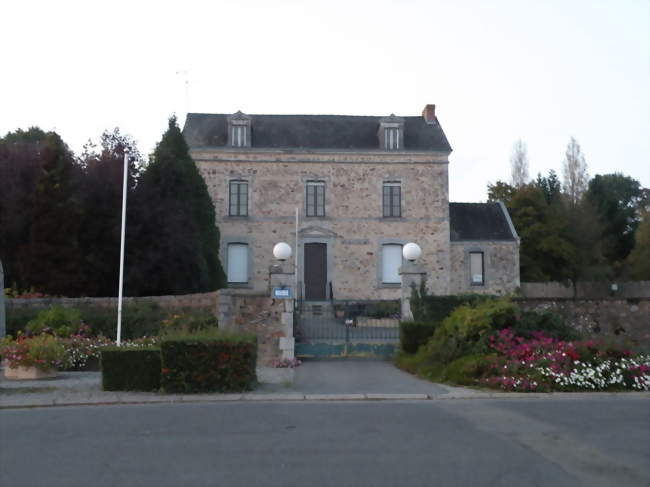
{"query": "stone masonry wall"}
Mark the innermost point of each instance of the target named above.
(595, 289)
(614, 318)
(258, 314)
(353, 228)
(501, 263)
(201, 300)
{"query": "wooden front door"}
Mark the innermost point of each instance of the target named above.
(315, 271)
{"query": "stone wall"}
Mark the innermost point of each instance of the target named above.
(271, 320)
(501, 267)
(596, 289)
(353, 228)
(614, 318)
(201, 300)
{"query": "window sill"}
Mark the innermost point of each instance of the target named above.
(240, 285)
(389, 285)
(391, 218)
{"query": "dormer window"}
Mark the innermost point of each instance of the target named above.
(239, 130)
(238, 135)
(391, 133)
(391, 138)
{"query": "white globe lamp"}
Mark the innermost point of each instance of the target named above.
(411, 252)
(282, 251)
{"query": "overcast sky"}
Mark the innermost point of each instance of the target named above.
(497, 71)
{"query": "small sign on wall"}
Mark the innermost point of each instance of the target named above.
(282, 293)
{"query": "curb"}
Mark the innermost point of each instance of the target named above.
(299, 397)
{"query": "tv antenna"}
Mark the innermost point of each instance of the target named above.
(185, 74)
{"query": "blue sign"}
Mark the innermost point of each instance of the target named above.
(282, 293)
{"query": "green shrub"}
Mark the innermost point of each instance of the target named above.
(208, 362)
(18, 317)
(466, 371)
(467, 329)
(434, 309)
(130, 369)
(413, 334)
(188, 322)
(383, 309)
(550, 323)
(62, 321)
(138, 320)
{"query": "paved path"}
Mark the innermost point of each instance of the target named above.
(591, 441)
(351, 380)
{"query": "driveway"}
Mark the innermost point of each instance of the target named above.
(357, 377)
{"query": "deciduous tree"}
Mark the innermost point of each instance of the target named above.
(574, 171)
(616, 199)
(519, 164)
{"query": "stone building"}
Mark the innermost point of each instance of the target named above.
(363, 186)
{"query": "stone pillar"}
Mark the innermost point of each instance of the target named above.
(3, 324)
(281, 278)
(224, 308)
(413, 274)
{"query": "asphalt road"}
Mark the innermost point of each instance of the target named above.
(518, 442)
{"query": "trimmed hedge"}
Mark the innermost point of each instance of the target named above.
(130, 369)
(412, 334)
(207, 364)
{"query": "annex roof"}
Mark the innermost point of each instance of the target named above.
(480, 221)
(334, 132)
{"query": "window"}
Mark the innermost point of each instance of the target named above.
(239, 130)
(391, 261)
(392, 199)
(237, 263)
(238, 135)
(238, 205)
(391, 138)
(315, 198)
(476, 269)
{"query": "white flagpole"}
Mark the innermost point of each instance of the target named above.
(119, 299)
(295, 267)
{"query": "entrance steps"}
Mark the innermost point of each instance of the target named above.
(317, 309)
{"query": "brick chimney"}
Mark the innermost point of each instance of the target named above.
(429, 114)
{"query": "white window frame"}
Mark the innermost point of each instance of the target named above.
(234, 275)
(395, 278)
(391, 138)
(238, 135)
(476, 278)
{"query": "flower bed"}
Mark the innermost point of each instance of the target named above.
(44, 352)
(547, 364)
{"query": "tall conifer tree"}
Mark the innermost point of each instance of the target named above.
(175, 246)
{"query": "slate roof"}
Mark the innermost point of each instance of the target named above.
(335, 132)
(478, 221)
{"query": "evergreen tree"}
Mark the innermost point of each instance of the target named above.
(174, 245)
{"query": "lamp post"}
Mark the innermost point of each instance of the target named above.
(411, 252)
(412, 276)
(282, 251)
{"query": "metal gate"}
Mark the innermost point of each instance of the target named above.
(327, 329)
